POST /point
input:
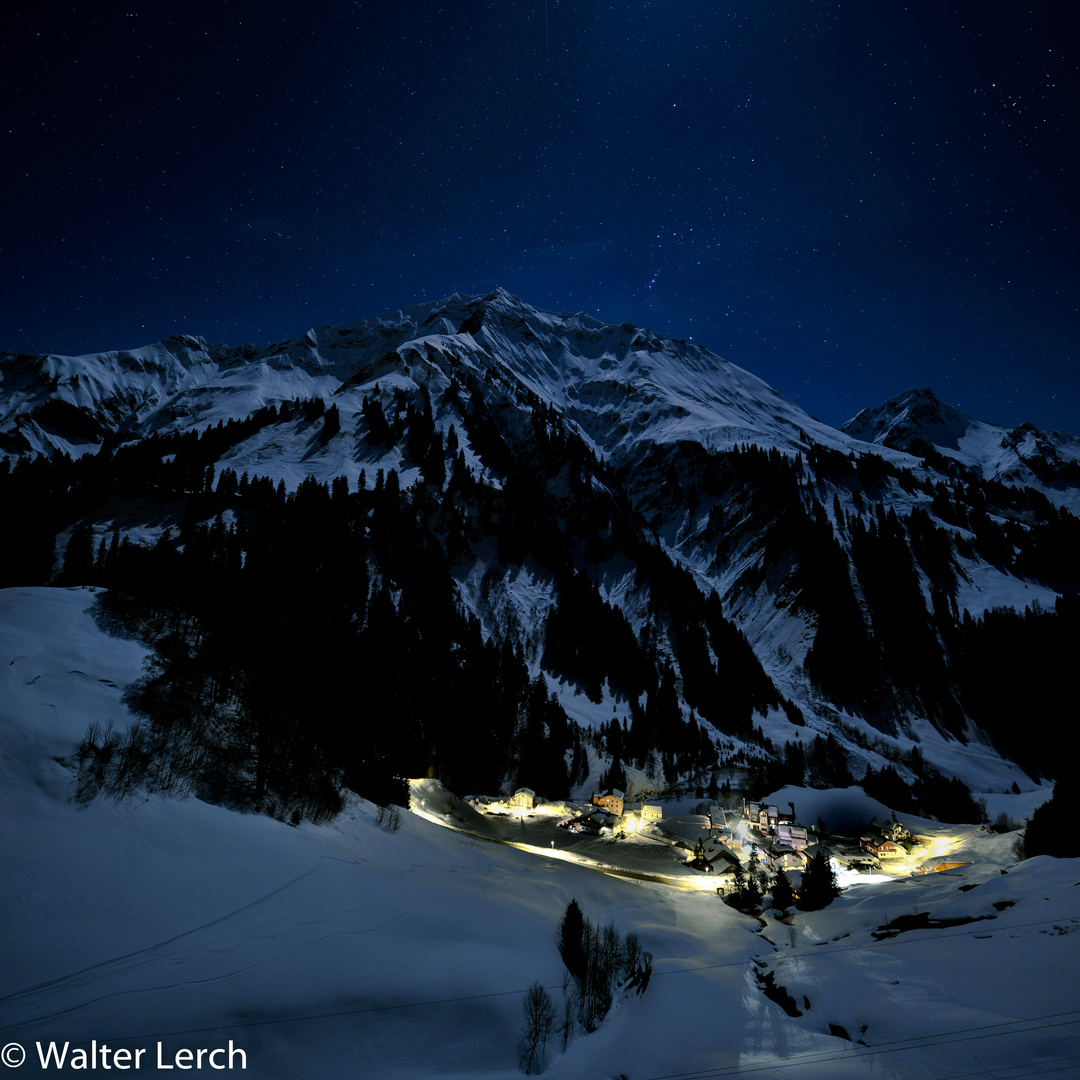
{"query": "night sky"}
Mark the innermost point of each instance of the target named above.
(846, 198)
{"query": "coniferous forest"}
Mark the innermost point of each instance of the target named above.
(314, 639)
(310, 641)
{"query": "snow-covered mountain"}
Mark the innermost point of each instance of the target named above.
(546, 442)
(619, 385)
(917, 420)
(623, 388)
(499, 546)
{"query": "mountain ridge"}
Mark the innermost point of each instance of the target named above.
(604, 376)
(574, 358)
(917, 420)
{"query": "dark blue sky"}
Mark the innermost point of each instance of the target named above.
(845, 198)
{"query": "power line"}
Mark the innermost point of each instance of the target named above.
(921, 1042)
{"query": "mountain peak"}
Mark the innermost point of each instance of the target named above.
(915, 417)
(918, 420)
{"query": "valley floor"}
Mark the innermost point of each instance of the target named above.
(346, 950)
(653, 854)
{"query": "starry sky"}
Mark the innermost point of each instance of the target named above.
(845, 198)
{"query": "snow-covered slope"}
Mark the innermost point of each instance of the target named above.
(624, 389)
(344, 950)
(70, 404)
(917, 419)
(618, 384)
(621, 386)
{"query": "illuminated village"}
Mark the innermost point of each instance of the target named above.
(697, 845)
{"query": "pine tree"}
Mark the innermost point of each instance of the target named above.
(754, 892)
(739, 877)
(782, 895)
(331, 424)
(819, 884)
(79, 557)
(571, 934)
(1050, 831)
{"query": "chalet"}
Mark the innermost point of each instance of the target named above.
(717, 852)
(762, 817)
(786, 858)
(612, 801)
(650, 812)
(714, 858)
(877, 845)
(725, 878)
(792, 836)
(862, 866)
(891, 830)
(595, 821)
(885, 839)
(522, 799)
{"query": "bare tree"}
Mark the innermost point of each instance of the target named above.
(568, 1023)
(631, 955)
(611, 951)
(538, 1015)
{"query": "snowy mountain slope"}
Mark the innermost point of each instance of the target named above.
(567, 443)
(69, 403)
(1046, 461)
(343, 949)
(915, 414)
(618, 384)
(623, 387)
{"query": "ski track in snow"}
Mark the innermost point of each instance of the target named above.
(121, 964)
